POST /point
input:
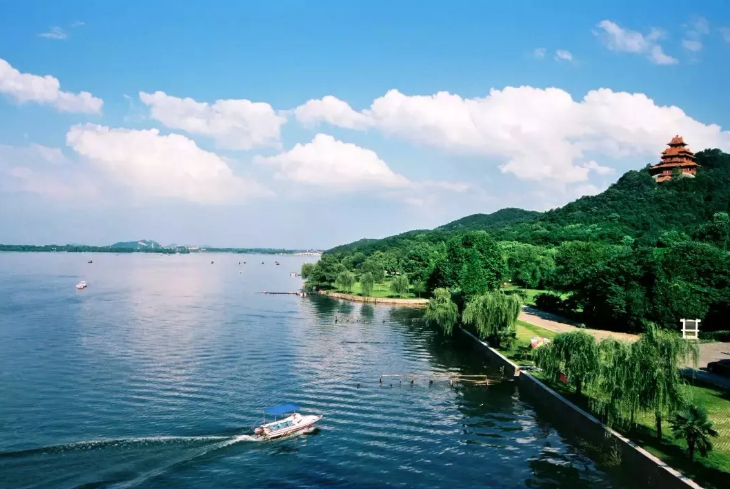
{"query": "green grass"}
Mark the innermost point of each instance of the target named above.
(525, 333)
(711, 472)
(531, 293)
(381, 291)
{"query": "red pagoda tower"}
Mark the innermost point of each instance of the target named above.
(677, 157)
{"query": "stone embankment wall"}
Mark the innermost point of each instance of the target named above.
(377, 300)
(634, 459)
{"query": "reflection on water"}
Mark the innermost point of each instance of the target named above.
(153, 376)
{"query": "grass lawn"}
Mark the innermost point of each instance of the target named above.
(712, 472)
(531, 293)
(381, 290)
(525, 332)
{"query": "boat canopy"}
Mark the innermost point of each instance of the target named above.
(280, 409)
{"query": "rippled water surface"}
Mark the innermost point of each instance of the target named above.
(152, 376)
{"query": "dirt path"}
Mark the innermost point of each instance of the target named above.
(561, 325)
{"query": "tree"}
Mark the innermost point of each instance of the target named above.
(442, 311)
(615, 395)
(400, 285)
(374, 265)
(657, 357)
(474, 258)
(325, 272)
(693, 426)
(575, 354)
(345, 280)
(307, 270)
(492, 314)
(419, 288)
(367, 282)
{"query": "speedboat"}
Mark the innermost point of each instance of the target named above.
(292, 423)
(81, 285)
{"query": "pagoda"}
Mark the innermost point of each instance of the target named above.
(676, 158)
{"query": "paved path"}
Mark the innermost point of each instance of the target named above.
(709, 352)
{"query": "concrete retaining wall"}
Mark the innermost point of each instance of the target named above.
(510, 369)
(634, 459)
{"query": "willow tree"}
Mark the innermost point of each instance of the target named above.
(400, 285)
(574, 354)
(657, 357)
(367, 282)
(615, 395)
(442, 311)
(345, 280)
(493, 314)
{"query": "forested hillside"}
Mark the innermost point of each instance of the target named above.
(638, 252)
(487, 222)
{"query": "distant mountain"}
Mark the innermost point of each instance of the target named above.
(485, 222)
(143, 244)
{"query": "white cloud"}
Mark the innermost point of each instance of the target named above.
(54, 33)
(161, 166)
(691, 45)
(541, 134)
(601, 170)
(562, 54)
(694, 32)
(25, 87)
(617, 38)
(335, 164)
(539, 53)
(331, 110)
(43, 171)
(233, 124)
(725, 31)
(78, 23)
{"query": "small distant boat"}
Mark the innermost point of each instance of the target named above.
(211, 262)
(293, 423)
(81, 285)
(262, 263)
(90, 261)
(276, 263)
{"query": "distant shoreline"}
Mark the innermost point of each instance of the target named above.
(419, 303)
(163, 250)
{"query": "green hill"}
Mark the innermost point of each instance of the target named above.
(634, 206)
(143, 244)
(639, 251)
(486, 222)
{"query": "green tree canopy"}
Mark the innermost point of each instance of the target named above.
(492, 314)
(400, 284)
(367, 282)
(442, 311)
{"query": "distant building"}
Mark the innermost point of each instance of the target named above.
(677, 158)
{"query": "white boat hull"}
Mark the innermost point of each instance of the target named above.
(298, 422)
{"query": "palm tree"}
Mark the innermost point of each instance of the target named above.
(442, 311)
(693, 425)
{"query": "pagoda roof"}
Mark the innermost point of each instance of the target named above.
(677, 141)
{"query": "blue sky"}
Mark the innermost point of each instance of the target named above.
(309, 124)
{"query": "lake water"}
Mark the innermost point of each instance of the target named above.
(149, 377)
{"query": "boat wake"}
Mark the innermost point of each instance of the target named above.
(121, 443)
(151, 456)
